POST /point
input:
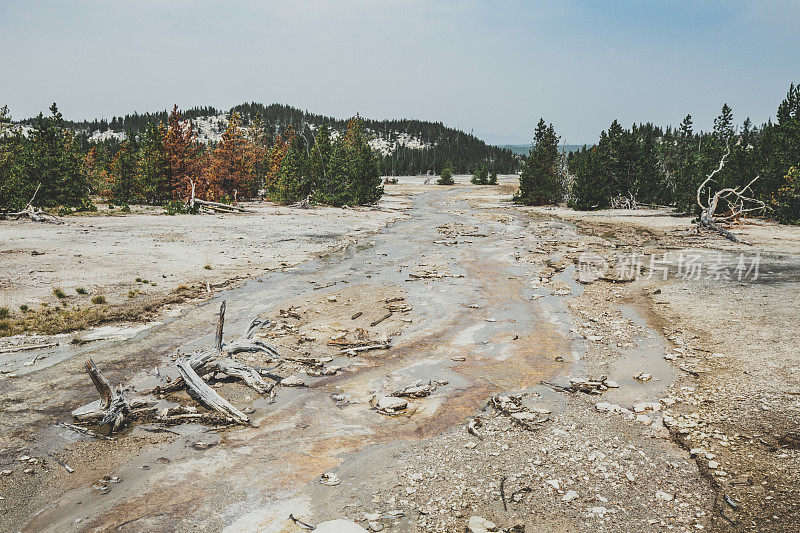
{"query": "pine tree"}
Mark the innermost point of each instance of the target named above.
(479, 176)
(14, 188)
(539, 180)
(154, 167)
(123, 183)
(292, 182)
(53, 160)
(184, 156)
(446, 177)
(723, 124)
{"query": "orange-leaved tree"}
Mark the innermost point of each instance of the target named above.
(184, 156)
(233, 164)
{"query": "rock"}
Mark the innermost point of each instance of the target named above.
(477, 524)
(470, 445)
(630, 477)
(713, 464)
(611, 384)
(644, 419)
(292, 381)
(375, 526)
(6, 473)
(664, 496)
(556, 484)
(643, 377)
(392, 404)
(339, 526)
(569, 496)
(330, 479)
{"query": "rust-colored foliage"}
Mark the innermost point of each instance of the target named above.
(185, 158)
(233, 163)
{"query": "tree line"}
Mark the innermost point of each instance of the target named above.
(166, 163)
(442, 144)
(665, 166)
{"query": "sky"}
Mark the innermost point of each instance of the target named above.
(488, 67)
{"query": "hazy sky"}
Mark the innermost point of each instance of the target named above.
(493, 67)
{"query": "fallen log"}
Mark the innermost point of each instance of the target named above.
(221, 207)
(249, 375)
(204, 394)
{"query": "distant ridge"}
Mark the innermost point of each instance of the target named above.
(405, 146)
(523, 149)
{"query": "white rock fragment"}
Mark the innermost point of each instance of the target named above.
(292, 381)
(556, 484)
(330, 479)
(664, 496)
(392, 404)
(569, 496)
(478, 524)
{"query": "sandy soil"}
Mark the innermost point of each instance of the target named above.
(107, 254)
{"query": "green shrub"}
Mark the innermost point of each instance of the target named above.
(59, 293)
(81, 290)
(4, 312)
(99, 299)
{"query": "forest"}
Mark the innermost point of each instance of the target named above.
(166, 163)
(649, 165)
(275, 151)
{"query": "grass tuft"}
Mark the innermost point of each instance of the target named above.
(59, 293)
(99, 299)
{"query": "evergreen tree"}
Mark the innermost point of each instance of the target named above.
(154, 167)
(123, 182)
(479, 176)
(446, 177)
(292, 182)
(15, 190)
(539, 180)
(184, 157)
(52, 160)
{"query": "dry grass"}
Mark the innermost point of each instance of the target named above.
(52, 321)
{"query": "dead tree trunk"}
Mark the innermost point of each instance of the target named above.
(204, 394)
(737, 201)
(111, 409)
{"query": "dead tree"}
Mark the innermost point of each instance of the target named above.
(736, 199)
(34, 214)
(110, 410)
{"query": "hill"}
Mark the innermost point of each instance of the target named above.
(405, 146)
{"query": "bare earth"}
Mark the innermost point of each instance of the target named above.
(478, 298)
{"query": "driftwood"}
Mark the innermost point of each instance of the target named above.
(204, 394)
(224, 208)
(114, 411)
(34, 214)
(26, 347)
(110, 410)
(738, 203)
